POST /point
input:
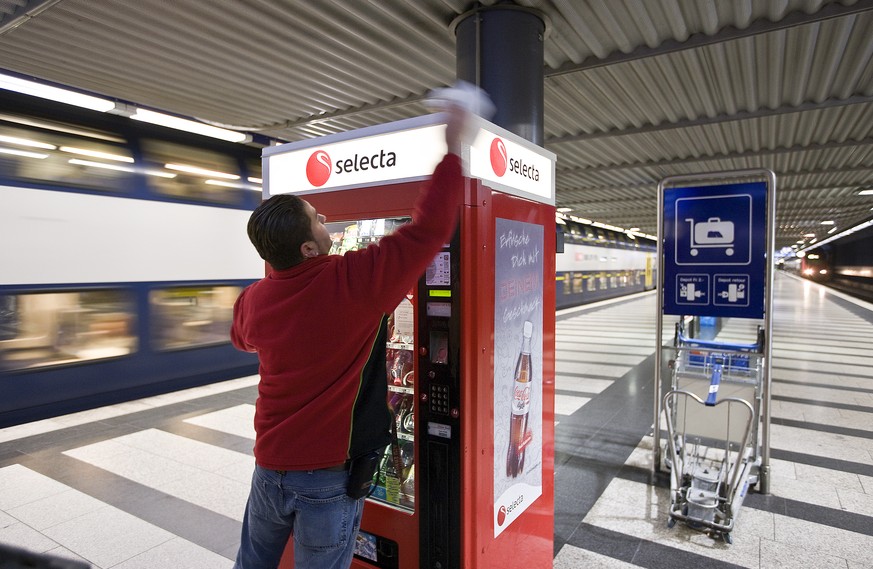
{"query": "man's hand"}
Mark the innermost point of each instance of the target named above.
(459, 102)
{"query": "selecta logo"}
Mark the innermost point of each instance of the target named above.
(501, 161)
(318, 168)
(506, 510)
(498, 157)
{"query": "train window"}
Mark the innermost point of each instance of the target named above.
(577, 279)
(186, 317)
(53, 328)
(48, 152)
(194, 173)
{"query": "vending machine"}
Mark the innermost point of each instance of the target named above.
(468, 479)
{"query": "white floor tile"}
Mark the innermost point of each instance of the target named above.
(65, 553)
(237, 421)
(138, 465)
(802, 491)
(856, 502)
(107, 536)
(575, 558)
(212, 492)
(581, 384)
(825, 540)
(568, 404)
(58, 508)
(817, 475)
(23, 536)
(22, 486)
(169, 466)
(170, 554)
(202, 456)
(583, 369)
(817, 443)
(82, 417)
(784, 556)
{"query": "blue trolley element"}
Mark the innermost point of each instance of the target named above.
(713, 412)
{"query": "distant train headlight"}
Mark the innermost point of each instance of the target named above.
(807, 271)
(823, 271)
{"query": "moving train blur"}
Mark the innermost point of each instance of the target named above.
(124, 252)
(122, 256)
(595, 263)
(843, 265)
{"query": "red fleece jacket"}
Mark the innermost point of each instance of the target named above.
(316, 329)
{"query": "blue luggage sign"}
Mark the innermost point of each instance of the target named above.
(715, 250)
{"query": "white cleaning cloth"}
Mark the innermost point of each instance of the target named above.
(465, 95)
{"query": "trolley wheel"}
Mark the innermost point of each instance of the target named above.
(727, 538)
(671, 522)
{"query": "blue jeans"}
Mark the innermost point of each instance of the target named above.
(310, 504)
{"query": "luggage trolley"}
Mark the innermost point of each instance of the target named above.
(713, 414)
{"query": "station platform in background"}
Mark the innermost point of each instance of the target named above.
(162, 482)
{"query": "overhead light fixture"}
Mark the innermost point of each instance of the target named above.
(189, 126)
(809, 234)
(832, 229)
(634, 229)
(254, 180)
(23, 153)
(841, 234)
(67, 96)
(868, 192)
(564, 209)
(607, 226)
(581, 220)
(828, 222)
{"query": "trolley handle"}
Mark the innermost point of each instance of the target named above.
(713, 386)
(713, 344)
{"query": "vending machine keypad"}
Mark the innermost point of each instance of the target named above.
(439, 399)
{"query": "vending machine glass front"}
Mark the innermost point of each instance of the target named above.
(395, 482)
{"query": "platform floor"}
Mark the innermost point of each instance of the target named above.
(162, 482)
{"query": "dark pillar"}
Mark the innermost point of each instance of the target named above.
(500, 49)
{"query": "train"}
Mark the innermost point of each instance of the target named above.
(124, 251)
(595, 263)
(845, 265)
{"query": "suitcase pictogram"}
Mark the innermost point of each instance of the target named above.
(712, 233)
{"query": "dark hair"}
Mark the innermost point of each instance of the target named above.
(277, 229)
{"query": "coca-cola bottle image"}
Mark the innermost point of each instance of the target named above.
(519, 436)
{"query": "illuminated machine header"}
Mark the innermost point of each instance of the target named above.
(406, 151)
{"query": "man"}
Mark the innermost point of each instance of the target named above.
(317, 322)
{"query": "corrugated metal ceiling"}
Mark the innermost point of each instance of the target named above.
(635, 90)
